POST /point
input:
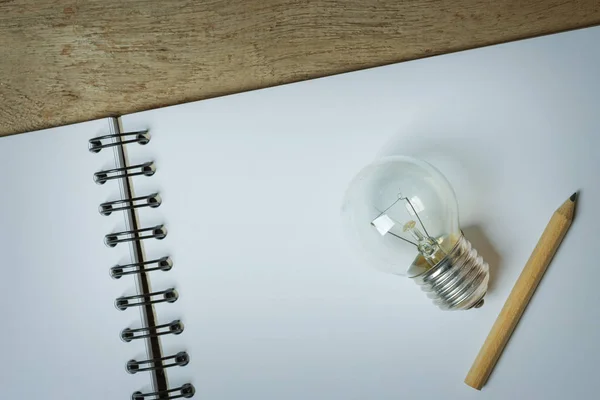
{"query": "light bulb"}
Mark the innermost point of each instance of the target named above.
(403, 213)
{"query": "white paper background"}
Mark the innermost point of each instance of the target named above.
(60, 331)
(274, 302)
(277, 306)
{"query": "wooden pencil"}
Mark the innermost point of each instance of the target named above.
(521, 294)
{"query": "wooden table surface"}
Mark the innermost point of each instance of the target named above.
(67, 61)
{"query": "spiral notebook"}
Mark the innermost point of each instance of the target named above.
(197, 250)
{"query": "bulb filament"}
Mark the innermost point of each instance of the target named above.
(427, 246)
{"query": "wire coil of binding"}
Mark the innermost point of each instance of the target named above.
(146, 169)
(180, 359)
(170, 296)
(174, 327)
(184, 392)
(157, 232)
(163, 264)
(96, 144)
(152, 200)
(151, 331)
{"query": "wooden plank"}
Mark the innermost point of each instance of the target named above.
(68, 61)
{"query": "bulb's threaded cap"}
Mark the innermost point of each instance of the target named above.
(459, 281)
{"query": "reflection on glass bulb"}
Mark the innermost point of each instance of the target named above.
(403, 213)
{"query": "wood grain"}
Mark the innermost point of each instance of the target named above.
(67, 61)
(521, 294)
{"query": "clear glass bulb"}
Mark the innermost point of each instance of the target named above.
(403, 213)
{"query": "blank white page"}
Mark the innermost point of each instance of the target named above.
(60, 331)
(277, 306)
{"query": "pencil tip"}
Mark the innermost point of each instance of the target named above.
(573, 197)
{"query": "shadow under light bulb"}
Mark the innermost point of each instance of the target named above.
(403, 213)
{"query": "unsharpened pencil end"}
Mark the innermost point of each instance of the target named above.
(473, 382)
(573, 197)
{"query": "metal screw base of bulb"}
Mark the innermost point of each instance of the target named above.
(459, 281)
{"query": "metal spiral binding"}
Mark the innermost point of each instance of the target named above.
(163, 264)
(95, 144)
(157, 232)
(146, 169)
(170, 296)
(184, 392)
(152, 200)
(174, 327)
(139, 268)
(180, 359)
